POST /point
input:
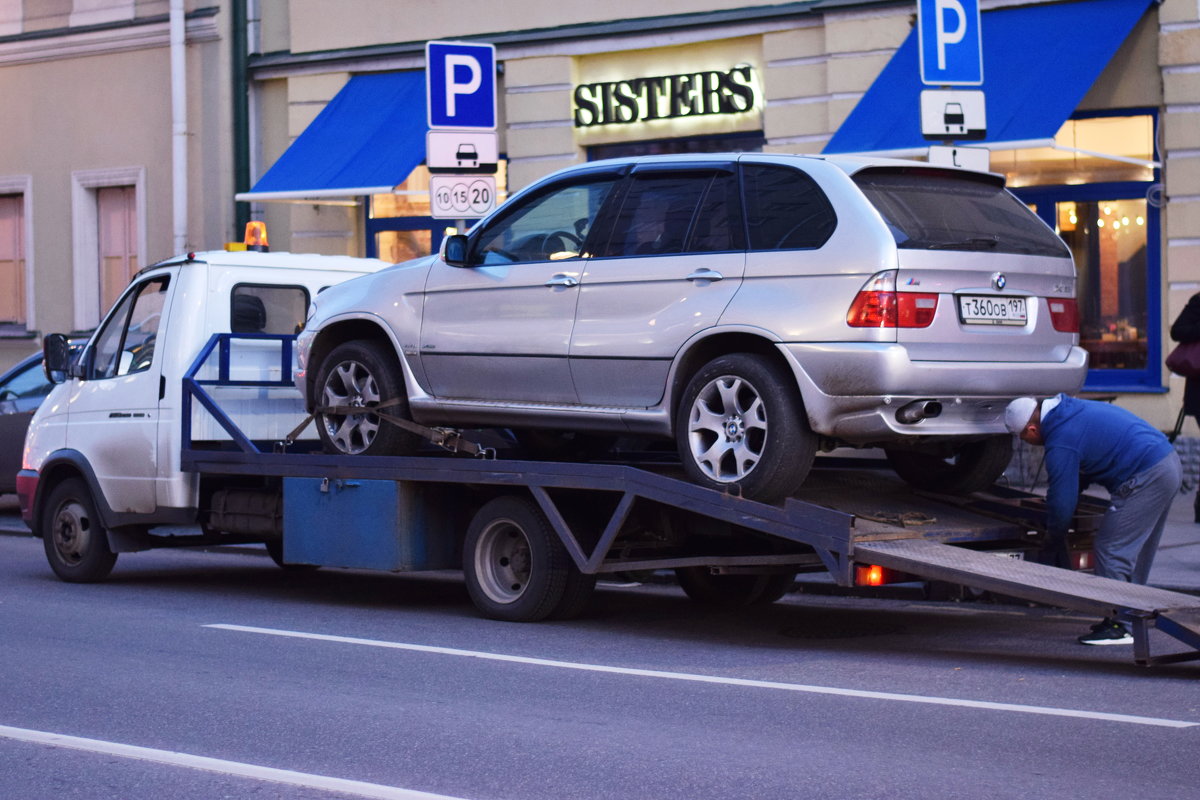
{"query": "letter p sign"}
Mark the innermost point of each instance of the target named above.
(460, 83)
(951, 42)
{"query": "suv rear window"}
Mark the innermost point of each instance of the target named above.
(929, 209)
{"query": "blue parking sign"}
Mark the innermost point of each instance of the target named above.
(951, 42)
(460, 81)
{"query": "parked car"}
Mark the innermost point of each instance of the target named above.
(757, 308)
(22, 389)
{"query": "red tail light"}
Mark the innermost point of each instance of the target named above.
(879, 305)
(1064, 314)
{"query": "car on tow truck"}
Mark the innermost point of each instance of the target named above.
(755, 308)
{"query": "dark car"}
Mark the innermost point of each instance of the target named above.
(22, 390)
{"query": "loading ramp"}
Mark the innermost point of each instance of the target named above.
(1174, 613)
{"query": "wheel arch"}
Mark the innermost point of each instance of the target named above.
(343, 331)
(702, 351)
(61, 466)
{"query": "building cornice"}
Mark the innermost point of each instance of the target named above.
(110, 37)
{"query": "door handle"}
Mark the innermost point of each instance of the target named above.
(705, 274)
(562, 280)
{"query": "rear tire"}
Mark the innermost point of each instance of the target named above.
(75, 540)
(741, 425)
(362, 374)
(731, 591)
(516, 568)
(972, 467)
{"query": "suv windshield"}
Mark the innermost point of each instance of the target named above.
(929, 209)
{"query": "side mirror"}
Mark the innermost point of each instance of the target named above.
(56, 357)
(455, 251)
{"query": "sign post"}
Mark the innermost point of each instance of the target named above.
(951, 45)
(461, 148)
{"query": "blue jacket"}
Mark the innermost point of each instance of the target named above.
(1108, 445)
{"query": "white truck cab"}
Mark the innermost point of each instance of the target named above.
(112, 428)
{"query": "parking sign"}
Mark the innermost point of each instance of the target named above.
(951, 42)
(461, 85)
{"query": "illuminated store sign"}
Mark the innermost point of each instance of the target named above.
(691, 94)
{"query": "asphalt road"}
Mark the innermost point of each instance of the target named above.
(217, 675)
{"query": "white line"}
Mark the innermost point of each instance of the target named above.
(251, 771)
(685, 676)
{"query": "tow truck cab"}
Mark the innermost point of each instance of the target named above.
(113, 419)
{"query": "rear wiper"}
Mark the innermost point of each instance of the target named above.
(976, 243)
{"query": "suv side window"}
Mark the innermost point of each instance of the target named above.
(551, 226)
(267, 309)
(126, 343)
(661, 211)
(785, 209)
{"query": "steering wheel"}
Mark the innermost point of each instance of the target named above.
(561, 241)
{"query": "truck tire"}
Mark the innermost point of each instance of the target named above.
(970, 468)
(362, 374)
(516, 568)
(741, 425)
(75, 540)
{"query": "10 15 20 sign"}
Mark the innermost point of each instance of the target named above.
(688, 94)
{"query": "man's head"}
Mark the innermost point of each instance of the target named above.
(1023, 417)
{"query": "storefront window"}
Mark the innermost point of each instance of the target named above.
(398, 223)
(1094, 195)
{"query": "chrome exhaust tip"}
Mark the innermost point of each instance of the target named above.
(917, 410)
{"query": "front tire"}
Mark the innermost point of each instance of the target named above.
(741, 425)
(515, 567)
(972, 467)
(75, 540)
(361, 374)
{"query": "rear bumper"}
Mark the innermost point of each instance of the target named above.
(853, 391)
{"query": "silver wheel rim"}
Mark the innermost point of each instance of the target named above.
(351, 384)
(727, 429)
(71, 532)
(503, 561)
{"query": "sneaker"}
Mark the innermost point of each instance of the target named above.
(1107, 631)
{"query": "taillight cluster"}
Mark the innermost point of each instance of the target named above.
(879, 305)
(1064, 314)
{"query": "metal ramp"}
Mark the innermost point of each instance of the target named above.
(1174, 613)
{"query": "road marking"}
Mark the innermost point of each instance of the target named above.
(234, 768)
(686, 676)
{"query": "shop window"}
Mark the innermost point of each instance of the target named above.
(12, 258)
(723, 143)
(1099, 198)
(399, 225)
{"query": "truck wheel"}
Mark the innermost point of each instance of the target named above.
(726, 591)
(969, 468)
(741, 425)
(362, 374)
(516, 568)
(76, 542)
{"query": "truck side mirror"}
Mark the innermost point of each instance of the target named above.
(56, 357)
(455, 251)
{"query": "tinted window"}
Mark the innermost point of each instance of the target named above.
(29, 382)
(943, 210)
(656, 214)
(719, 222)
(267, 309)
(126, 343)
(785, 209)
(549, 226)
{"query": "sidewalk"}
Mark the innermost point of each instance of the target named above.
(1177, 565)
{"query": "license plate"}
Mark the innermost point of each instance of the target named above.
(984, 310)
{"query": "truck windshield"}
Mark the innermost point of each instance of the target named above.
(932, 209)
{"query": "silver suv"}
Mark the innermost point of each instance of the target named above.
(757, 308)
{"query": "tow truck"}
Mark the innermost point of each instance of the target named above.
(181, 410)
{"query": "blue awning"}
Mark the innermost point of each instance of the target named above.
(1038, 63)
(365, 141)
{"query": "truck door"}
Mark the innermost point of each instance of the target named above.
(114, 408)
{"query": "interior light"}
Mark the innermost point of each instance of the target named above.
(1108, 211)
(1141, 221)
(1100, 223)
(1116, 226)
(1124, 220)
(1074, 219)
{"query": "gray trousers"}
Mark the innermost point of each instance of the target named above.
(1128, 537)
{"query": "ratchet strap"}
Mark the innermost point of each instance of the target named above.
(446, 438)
